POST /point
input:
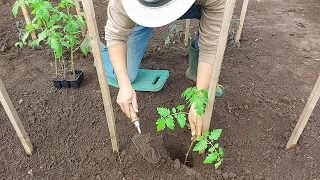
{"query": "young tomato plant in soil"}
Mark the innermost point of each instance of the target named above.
(56, 26)
(207, 141)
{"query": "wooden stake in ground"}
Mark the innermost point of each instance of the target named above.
(242, 16)
(15, 120)
(228, 12)
(78, 9)
(102, 77)
(186, 34)
(28, 21)
(305, 115)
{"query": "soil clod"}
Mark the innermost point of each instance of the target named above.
(225, 175)
(232, 175)
(177, 164)
(146, 146)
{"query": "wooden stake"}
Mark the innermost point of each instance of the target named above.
(28, 21)
(227, 15)
(242, 16)
(305, 115)
(97, 53)
(186, 34)
(15, 120)
(78, 9)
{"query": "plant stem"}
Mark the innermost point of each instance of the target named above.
(64, 69)
(179, 113)
(56, 65)
(211, 144)
(61, 66)
(72, 63)
(185, 160)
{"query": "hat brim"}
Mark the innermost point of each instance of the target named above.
(156, 16)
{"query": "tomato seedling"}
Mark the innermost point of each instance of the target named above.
(208, 140)
(55, 26)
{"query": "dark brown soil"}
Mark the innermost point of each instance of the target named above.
(267, 82)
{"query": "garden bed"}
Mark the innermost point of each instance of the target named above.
(267, 82)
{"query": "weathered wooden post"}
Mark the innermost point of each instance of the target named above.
(228, 12)
(15, 120)
(242, 16)
(305, 115)
(102, 77)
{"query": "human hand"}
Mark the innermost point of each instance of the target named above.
(126, 96)
(196, 123)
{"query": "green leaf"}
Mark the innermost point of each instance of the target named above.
(39, 22)
(206, 134)
(80, 20)
(167, 41)
(56, 46)
(212, 157)
(201, 145)
(65, 44)
(188, 96)
(61, 5)
(54, 43)
(163, 111)
(84, 50)
(71, 26)
(34, 44)
(200, 138)
(221, 152)
(211, 149)
(180, 107)
(20, 44)
(43, 14)
(181, 118)
(42, 36)
(54, 27)
(54, 19)
(25, 36)
(161, 124)
(216, 145)
(170, 122)
(217, 165)
(188, 125)
(215, 134)
(46, 5)
(174, 110)
(15, 8)
(29, 27)
(200, 104)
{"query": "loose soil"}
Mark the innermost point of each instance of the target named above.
(267, 82)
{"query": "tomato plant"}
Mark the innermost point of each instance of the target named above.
(56, 27)
(207, 141)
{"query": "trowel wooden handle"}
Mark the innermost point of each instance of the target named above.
(133, 114)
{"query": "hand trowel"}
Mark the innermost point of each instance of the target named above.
(134, 118)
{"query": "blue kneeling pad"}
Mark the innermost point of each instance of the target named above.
(147, 80)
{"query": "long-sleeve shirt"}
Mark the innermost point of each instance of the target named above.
(119, 26)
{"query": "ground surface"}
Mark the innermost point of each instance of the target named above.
(267, 82)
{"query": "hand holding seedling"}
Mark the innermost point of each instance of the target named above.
(195, 121)
(196, 101)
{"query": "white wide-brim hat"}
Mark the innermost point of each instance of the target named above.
(156, 13)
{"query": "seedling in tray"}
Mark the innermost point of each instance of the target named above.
(208, 140)
(58, 28)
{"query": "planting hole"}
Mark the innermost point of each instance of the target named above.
(156, 80)
(175, 153)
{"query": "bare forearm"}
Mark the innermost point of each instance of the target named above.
(118, 58)
(204, 75)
